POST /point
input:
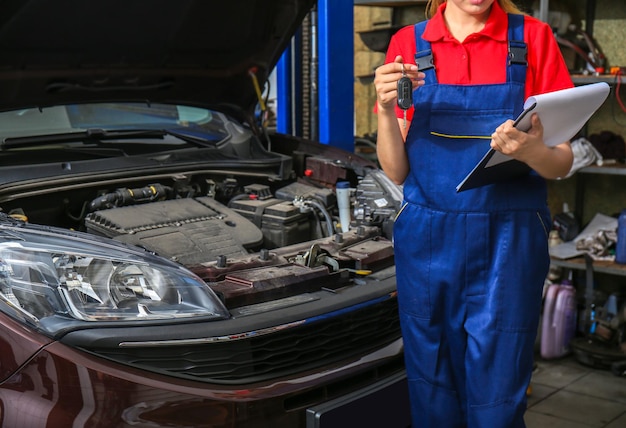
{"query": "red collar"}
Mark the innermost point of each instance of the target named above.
(495, 28)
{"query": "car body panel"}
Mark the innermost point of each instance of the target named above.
(17, 345)
(62, 386)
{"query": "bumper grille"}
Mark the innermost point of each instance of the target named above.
(347, 335)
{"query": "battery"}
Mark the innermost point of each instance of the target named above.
(280, 221)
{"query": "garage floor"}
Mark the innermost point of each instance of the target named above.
(567, 394)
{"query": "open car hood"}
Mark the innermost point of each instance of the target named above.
(196, 52)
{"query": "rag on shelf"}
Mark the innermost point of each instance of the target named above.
(585, 154)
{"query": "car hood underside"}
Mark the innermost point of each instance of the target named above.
(179, 51)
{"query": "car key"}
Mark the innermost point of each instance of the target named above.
(405, 93)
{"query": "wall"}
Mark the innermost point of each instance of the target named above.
(366, 60)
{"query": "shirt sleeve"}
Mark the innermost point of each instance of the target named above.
(547, 70)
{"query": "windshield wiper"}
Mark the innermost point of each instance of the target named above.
(192, 139)
(96, 135)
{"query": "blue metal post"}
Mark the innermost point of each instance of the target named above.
(284, 101)
(288, 92)
(336, 72)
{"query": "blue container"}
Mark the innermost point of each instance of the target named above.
(620, 247)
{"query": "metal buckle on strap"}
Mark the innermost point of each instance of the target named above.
(518, 52)
(424, 60)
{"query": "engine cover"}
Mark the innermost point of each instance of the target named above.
(189, 231)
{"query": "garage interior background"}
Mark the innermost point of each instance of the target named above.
(314, 61)
(585, 193)
(605, 21)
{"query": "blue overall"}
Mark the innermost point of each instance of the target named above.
(470, 265)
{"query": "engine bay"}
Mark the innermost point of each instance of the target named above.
(251, 240)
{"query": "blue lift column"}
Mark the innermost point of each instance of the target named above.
(288, 94)
(336, 72)
(335, 85)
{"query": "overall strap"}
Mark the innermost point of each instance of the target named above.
(424, 55)
(517, 51)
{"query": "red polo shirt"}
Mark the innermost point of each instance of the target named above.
(480, 58)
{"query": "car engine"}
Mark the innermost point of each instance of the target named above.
(250, 241)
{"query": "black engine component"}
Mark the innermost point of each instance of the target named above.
(123, 197)
(378, 202)
(189, 231)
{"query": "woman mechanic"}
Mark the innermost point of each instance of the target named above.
(470, 265)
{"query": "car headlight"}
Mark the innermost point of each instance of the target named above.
(46, 274)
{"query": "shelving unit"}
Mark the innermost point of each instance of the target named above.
(579, 262)
(582, 79)
(617, 170)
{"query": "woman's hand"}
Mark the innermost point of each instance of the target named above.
(529, 147)
(520, 145)
(386, 82)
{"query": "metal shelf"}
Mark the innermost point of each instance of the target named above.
(610, 169)
(582, 79)
(599, 266)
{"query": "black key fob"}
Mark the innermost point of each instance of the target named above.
(405, 93)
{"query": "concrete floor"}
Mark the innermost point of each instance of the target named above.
(567, 394)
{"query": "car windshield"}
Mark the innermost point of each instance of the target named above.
(69, 119)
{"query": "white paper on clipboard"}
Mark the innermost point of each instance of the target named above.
(563, 113)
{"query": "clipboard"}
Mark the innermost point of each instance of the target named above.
(563, 113)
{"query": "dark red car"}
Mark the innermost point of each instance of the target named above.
(165, 259)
